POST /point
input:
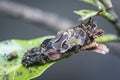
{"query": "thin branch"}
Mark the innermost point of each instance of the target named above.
(33, 15)
(114, 19)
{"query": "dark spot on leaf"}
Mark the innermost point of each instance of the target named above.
(30, 71)
(4, 56)
(36, 67)
(4, 65)
(12, 56)
(10, 64)
(5, 77)
(6, 42)
(19, 73)
(15, 62)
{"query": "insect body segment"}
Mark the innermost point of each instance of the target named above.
(75, 39)
(36, 55)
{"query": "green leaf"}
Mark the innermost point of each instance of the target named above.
(96, 3)
(107, 15)
(107, 38)
(13, 70)
(102, 5)
(93, 2)
(85, 14)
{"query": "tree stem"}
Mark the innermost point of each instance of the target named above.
(111, 14)
(114, 19)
